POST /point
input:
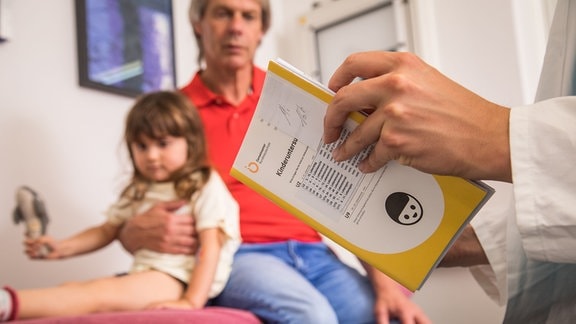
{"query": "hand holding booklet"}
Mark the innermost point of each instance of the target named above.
(398, 219)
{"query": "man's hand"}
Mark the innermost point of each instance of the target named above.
(159, 229)
(392, 300)
(419, 117)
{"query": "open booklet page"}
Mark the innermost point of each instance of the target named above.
(397, 219)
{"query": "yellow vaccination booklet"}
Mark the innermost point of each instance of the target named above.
(398, 219)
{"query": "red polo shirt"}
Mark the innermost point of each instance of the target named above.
(225, 125)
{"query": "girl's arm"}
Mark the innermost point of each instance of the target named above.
(211, 241)
(202, 276)
(86, 241)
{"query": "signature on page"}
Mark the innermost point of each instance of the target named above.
(294, 117)
(292, 111)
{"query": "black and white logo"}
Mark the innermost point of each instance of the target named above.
(403, 208)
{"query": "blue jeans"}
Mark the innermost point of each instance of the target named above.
(295, 282)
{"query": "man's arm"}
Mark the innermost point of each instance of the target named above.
(159, 229)
(392, 300)
(466, 251)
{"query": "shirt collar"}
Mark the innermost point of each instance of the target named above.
(202, 96)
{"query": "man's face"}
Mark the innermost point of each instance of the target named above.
(230, 31)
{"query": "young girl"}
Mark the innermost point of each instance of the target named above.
(167, 147)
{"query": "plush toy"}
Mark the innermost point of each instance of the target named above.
(31, 210)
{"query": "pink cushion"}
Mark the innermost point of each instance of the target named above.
(208, 315)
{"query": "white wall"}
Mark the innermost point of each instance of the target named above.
(55, 137)
(64, 140)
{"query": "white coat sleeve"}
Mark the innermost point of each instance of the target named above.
(543, 157)
(491, 227)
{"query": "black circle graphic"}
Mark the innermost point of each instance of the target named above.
(404, 208)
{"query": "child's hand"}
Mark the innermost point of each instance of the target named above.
(175, 304)
(44, 247)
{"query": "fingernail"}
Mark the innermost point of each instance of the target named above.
(336, 154)
(362, 166)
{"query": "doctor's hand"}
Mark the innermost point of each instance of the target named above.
(161, 230)
(418, 117)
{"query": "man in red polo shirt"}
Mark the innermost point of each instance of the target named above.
(283, 272)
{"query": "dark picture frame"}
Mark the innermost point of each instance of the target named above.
(2, 24)
(125, 47)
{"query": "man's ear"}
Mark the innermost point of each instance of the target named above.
(197, 29)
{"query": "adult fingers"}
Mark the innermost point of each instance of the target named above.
(172, 205)
(364, 65)
(384, 76)
(371, 94)
(356, 97)
(379, 156)
(181, 245)
(348, 98)
(364, 135)
(180, 225)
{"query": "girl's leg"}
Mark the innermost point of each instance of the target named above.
(129, 292)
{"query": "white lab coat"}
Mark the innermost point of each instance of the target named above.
(533, 262)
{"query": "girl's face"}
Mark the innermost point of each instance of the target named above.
(157, 159)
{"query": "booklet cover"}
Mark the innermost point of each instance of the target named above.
(398, 219)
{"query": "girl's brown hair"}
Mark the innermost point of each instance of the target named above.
(168, 113)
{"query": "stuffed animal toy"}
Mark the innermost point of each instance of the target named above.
(30, 210)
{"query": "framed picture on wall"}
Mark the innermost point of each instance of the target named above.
(3, 23)
(125, 47)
